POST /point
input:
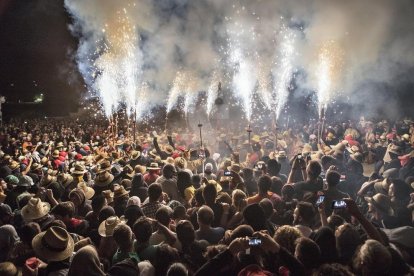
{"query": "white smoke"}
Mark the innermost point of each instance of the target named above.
(174, 49)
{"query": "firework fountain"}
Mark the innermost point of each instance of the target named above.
(134, 56)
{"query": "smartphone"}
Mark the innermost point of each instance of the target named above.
(227, 173)
(338, 204)
(320, 200)
(255, 241)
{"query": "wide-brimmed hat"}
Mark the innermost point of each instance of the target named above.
(382, 186)
(395, 149)
(119, 191)
(119, 143)
(109, 195)
(103, 179)
(55, 154)
(234, 167)
(88, 191)
(65, 179)
(281, 154)
(59, 145)
(14, 165)
(53, 245)
(35, 209)
(47, 179)
(104, 166)
(135, 154)
(168, 149)
(153, 167)
(35, 166)
(381, 202)
(106, 228)
(13, 180)
(78, 169)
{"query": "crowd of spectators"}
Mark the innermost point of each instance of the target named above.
(78, 198)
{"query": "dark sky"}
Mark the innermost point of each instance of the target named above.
(35, 54)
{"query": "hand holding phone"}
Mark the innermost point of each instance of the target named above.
(254, 241)
(338, 204)
(320, 200)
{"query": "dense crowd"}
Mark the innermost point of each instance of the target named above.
(84, 198)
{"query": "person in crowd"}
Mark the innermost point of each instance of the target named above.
(78, 199)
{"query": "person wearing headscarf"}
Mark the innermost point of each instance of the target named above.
(8, 239)
(86, 262)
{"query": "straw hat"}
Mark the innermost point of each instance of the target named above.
(119, 143)
(382, 186)
(65, 179)
(35, 209)
(381, 202)
(47, 179)
(35, 166)
(103, 179)
(169, 149)
(281, 154)
(140, 169)
(109, 195)
(106, 228)
(55, 154)
(53, 245)
(234, 167)
(395, 149)
(88, 191)
(119, 191)
(135, 155)
(153, 167)
(59, 145)
(78, 169)
(104, 166)
(14, 165)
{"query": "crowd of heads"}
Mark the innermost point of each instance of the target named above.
(81, 198)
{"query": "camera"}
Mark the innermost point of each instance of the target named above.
(300, 156)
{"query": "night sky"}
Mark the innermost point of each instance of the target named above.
(36, 56)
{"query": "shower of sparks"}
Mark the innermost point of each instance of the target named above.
(184, 85)
(175, 91)
(329, 70)
(212, 93)
(142, 105)
(116, 70)
(282, 73)
(264, 89)
(244, 80)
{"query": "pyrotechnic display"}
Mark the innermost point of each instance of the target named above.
(180, 50)
(206, 137)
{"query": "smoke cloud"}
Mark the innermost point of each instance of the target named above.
(158, 51)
